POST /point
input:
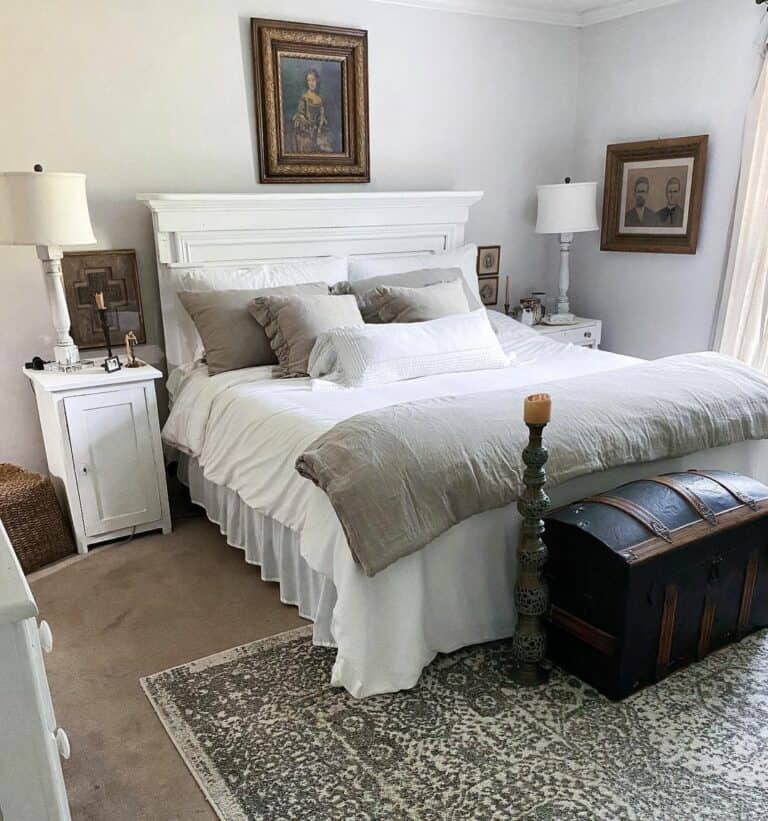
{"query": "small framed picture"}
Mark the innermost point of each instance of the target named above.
(653, 195)
(112, 364)
(488, 260)
(489, 290)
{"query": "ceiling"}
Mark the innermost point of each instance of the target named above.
(557, 12)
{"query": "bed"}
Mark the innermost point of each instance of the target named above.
(239, 435)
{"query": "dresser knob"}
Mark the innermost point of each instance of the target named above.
(46, 636)
(62, 742)
(588, 334)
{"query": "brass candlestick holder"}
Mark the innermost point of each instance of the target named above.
(529, 645)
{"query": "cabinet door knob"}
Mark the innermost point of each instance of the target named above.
(588, 334)
(46, 636)
(62, 742)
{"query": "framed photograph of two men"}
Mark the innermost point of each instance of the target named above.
(653, 195)
(311, 88)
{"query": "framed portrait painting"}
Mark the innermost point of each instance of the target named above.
(488, 260)
(115, 274)
(653, 195)
(489, 290)
(311, 88)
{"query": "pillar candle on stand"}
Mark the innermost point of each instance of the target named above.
(99, 296)
(529, 644)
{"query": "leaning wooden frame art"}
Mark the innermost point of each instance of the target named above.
(653, 195)
(311, 90)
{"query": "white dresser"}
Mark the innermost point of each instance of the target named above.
(102, 443)
(585, 332)
(31, 744)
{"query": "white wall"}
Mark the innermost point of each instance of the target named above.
(677, 71)
(144, 95)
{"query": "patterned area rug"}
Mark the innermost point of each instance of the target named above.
(266, 737)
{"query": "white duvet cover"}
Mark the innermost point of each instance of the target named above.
(246, 430)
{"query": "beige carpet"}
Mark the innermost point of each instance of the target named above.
(126, 611)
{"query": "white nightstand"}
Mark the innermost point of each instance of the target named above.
(102, 442)
(585, 332)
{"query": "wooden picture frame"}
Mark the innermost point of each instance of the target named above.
(653, 195)
(489, 290)
(116, 275)
(488, 260)
(311, 89)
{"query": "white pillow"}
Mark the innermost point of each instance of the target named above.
(265, 275)
(464, 258)
(379, 354)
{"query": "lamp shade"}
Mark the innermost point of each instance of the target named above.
(568, 208)
(44, 208)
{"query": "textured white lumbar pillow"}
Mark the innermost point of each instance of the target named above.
(379, 354)
(464, 257)
(266, 275)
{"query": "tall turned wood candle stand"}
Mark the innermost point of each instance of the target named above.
(529, 644)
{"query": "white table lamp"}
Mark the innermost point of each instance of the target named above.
(49, 210)
(566, 209)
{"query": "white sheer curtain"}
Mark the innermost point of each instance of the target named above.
(743, 325)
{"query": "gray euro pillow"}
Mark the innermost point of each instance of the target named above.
(397, 304)
(362, 288)
(293, 323)
(231, 337)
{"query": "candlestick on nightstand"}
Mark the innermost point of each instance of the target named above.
(111, 363)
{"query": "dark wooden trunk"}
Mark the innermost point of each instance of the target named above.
(656, 574)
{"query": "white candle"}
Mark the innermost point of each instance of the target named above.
(99, 300)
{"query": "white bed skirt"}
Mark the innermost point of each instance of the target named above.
(267, 544)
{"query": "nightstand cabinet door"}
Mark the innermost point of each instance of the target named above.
(114, 460)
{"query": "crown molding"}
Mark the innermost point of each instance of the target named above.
(522, 12)
(625, 9)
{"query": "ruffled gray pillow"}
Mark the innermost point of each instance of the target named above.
(293, 323)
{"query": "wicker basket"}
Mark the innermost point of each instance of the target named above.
(32, 517)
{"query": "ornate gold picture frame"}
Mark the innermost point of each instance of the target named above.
(311, 88)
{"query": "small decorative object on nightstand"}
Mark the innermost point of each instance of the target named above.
(111, 363)
(566, 209)
(102, 442)
(585, 332)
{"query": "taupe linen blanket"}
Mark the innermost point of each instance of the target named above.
(400, 476)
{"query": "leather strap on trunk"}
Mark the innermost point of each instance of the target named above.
(748, 593)
(667, 631)
(744, 498)
(707, 621)
(686, 493)
(638, 513)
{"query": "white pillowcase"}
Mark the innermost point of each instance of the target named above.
(380, 354)
(464, 258)
(265, 275)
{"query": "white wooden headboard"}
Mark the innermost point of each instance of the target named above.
(215, 230)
